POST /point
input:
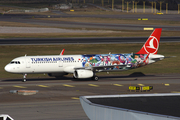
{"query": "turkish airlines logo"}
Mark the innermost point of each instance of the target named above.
(151, 46)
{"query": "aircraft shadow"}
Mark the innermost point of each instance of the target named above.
(136, 75)
(36, 79)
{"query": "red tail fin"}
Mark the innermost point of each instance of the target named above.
(152, 44)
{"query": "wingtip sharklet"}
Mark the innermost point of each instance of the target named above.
(62, 52)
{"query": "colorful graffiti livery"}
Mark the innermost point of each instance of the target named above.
(130, 60)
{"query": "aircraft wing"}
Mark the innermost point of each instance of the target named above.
(102, 68)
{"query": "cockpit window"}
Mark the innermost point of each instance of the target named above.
(14, 62)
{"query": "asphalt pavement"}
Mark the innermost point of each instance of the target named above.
(98, 40)
(26, 18)
(59, 99)
(166, 17)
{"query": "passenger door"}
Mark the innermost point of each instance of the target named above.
(28, 62)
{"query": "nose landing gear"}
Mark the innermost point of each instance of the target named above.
(24, 77)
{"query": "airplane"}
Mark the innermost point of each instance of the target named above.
(86, 66)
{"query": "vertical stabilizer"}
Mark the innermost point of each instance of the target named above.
(152, 44)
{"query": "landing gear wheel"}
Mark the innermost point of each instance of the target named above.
(24, 80)
(24, 77)
(96, 78)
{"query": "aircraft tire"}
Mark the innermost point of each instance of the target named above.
(96, 78)
(24, 80)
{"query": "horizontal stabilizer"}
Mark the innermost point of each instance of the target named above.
(170, 56)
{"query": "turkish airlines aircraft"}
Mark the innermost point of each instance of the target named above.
(86, 66)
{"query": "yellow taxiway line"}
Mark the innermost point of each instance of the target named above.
(166, 84)
(142, 18)
(43, 86)
(68, 85)
(93, 85)
(74, 98)
(141, 84)
(148, 28)
(117, 84)
(20, 87)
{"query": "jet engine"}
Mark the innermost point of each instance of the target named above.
(83, 74)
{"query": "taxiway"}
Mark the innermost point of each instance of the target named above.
(58, 99)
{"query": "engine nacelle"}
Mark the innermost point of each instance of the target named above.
(83, 74)
(56, 74)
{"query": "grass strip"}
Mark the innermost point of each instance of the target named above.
(19, 24)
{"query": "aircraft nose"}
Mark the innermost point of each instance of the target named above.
(7, 68)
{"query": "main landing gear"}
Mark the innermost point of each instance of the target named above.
(24, 77)
(96, 78)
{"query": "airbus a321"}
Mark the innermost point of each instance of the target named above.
(86, 66)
